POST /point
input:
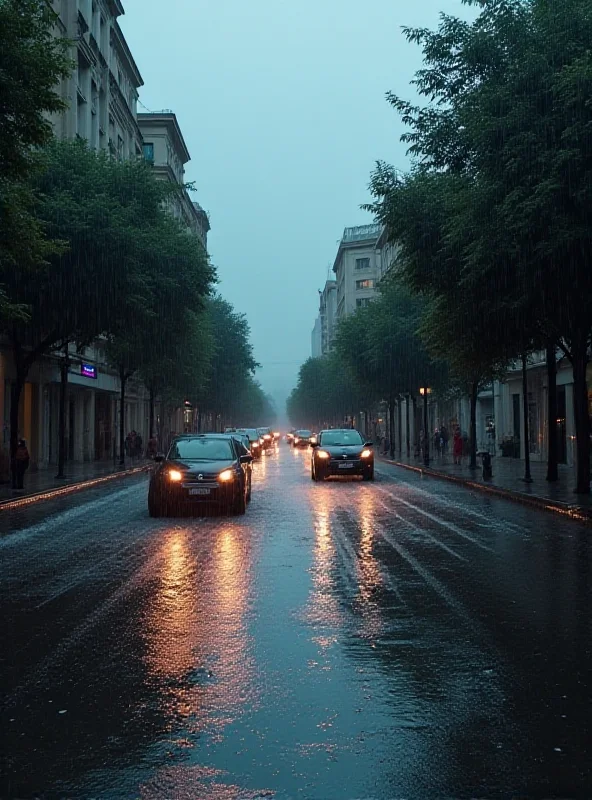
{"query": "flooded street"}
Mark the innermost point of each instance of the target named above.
(399, 639)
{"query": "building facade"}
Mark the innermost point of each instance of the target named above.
(102, 96)
(356, 268)
(328, 315)
(315, 339)
(164, 147)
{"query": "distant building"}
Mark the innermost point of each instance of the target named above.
(328, 315)
(356, 268)
(165, 148)
(315, 339)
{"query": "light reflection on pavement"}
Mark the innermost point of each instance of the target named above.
(344, 639)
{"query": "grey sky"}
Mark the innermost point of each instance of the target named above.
(283, 109)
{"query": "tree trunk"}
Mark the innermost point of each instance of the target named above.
(391, 413)
(415, 427)
(527, 475)
(553, 443)
(400, 425)
(366, 432)
(15, 399)
(473, 426)
(123, 379)
(62, 414)
(151, 412)
(582, 420)
(199, 420)
(407, 430)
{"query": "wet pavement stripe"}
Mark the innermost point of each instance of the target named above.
(438, 520)
(421, 531)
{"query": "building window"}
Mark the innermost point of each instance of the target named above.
(148, 148)
(361, 302)
(362, 263)
(366, 284)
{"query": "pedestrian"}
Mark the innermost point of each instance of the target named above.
(138, 445)
(20, 465)
(152, 447)
(444, 435)
(457, 446)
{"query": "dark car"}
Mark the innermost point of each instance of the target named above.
(267, 436)
(201, 469)
(302, 438)
(254, 441)
(290, 436)
(342, 452)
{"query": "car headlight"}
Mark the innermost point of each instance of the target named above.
(366, 453)
(296, 440)
(255, 444)
(267, 436)
(226, 476)
(323, 454)
(277, 434)
(175, 475)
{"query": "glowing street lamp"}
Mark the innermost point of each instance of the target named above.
(424, 392)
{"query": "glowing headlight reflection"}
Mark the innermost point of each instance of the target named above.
(323, 454)
(366, 453)
(226, 476)
(175, 475)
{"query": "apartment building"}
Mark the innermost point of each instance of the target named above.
(356, 268)
(164, 147)
(102, 97)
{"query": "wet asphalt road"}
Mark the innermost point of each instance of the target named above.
(403, 639)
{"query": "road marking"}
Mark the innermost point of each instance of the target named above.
(443, 523)
(423, 532)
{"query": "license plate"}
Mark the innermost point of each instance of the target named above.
(346, 465)
(200, 490)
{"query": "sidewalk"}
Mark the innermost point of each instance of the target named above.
(45, 480)
(507, 481)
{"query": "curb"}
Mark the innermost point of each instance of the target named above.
(71, 488)
(554, 506)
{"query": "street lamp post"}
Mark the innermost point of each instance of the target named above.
(424, 392)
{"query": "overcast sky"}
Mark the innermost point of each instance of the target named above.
(282, 105)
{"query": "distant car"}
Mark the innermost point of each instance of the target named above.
(290, 437)
(277, 436)
(342, 452)
(267, 436)
(254, 441)
(302, 438)
(199, 469)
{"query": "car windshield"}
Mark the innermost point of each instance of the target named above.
(303, 434)
(202, 449)
(341, 438)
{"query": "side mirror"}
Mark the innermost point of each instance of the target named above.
(246, 459)
(159, 457)
(368, 444)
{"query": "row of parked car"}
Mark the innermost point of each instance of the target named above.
(208, 468)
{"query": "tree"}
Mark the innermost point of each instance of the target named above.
(232, 363)
(32, 63)
(508, 115)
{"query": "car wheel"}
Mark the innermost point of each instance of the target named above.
(369, 476)
(156, 507)
(240, 504)
(313, 474)
(249, 490)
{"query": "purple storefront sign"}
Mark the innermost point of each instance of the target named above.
(88, 371)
